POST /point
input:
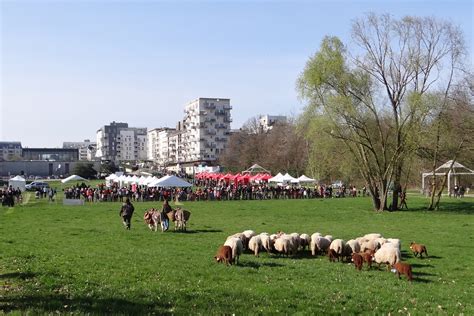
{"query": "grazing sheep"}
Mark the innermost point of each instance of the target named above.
(305, 240)
(241, 236)
(358, 261)
(333, 255)
(248, 234)
(370, 245)
(418, 249)
(395, 242)
(381, 240)
(354, 245)
(224, 254)
(319, 244)
(267, 242)
(255, 243)
(285, 245)
(387, 254)
(338, 246)
(403, 268)
(329, 237)
(237, 248)
(296, 239)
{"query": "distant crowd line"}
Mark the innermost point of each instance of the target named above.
(208, 191)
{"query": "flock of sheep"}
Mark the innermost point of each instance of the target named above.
(369, 248)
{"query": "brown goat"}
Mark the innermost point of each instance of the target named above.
(403, 268)
(418, 249)
(358, 261)
(333, 255)
(224, 254)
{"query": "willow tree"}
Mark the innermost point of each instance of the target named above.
(374, 99)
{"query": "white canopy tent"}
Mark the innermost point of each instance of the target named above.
(170, 181)
(305, 179)
(278, 178)
(453, 169)
(17, 183)
(255, 169)
(73, 178)
(288, 178)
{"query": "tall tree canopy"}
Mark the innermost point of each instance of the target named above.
(374, 97)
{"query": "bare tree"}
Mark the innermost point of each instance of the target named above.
(375, 99)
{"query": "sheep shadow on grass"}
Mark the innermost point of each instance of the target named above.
(198, 231)
(18, 275)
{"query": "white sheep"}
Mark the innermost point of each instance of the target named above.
(237, 247)
(296, 239)
(371, 245)
(318, 244)
(388, 254)
(285, 245)
(255, 243)
(395, 242)
(305, 240)
(267, 242)
(353, 245)
(338, 246)
(329, 237)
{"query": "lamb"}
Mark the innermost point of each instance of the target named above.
(403, 268)
(224, 254)
(418, 249)
(387, 254)
(318, 244)
(367, 258)
(237, 248)
(255, 243)
(358, 261)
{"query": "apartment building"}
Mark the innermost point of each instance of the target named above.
(119, 142)
(207, 128)
(161, 145)
(83, 148)
(10, 151)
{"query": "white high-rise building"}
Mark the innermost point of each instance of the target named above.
(207, 128)
(118, 142)
(266, 122)
(82, 146)
(161, 145)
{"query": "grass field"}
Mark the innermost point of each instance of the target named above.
(57, 259)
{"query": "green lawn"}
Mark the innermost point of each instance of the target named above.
(80, 259)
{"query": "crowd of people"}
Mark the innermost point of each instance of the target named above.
(9, 196)
(205, 190)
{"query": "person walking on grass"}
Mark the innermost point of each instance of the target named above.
(126, 213)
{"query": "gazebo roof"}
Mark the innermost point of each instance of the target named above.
(456, 165)
(256, 169)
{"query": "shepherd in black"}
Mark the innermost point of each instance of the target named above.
(126, 213)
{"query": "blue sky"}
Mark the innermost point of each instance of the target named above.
(69, 67)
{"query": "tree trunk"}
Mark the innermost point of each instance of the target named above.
(396, 186)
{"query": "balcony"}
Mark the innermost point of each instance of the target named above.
(202, 113)
(219, 126)
(220, 112)
(228, 107)
(228, 119)
(209, 106)
(210, 132)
